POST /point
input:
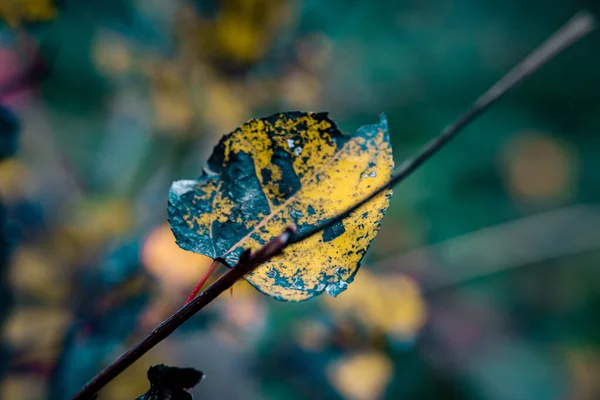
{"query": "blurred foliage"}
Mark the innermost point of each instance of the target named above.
(8, 139)
(19, 11)
(9, 127)
(140, 91)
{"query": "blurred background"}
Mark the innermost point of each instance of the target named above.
(483, 282)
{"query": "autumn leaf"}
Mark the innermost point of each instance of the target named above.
(390, 303)
(289, 168)
(361, 376)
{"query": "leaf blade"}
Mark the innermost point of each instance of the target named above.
(293, 168)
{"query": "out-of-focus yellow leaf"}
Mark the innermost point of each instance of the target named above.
(171, 265)
(362, 376)
(224, 103)
(539, 168)
(241, 32)
(15, 179)
(35, 272)
(91, 224)
(288, 169)
(23, 327)
(584, 366)
(391, 304)
(22, 388)
(171, 97)
(94, 221)
(173, 110)
(17, 11)
(111, 54)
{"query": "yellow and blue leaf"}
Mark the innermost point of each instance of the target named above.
(290, 168)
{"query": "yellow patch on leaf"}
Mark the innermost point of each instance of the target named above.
(290, 168)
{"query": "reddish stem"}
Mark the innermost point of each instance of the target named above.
(207, 275)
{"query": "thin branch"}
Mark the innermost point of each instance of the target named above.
(578, 27)
(506, 247)
(575, 29)
(248, 262)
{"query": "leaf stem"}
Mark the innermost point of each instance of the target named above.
(203, 280)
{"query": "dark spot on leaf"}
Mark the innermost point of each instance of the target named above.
(266, 175)
(333, 231)
(289, 183)
(242, 187)
(301, 126)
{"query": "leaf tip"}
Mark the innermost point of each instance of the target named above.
(383, 120)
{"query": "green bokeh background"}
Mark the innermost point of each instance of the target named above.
(499, 230)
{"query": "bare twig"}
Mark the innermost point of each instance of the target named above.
(575, 29)
(248, 262)
(578, 27)
(497, 249)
